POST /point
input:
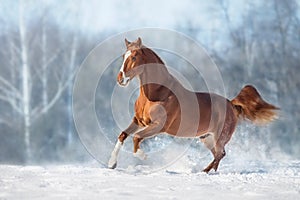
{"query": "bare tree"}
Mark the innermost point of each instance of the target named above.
(18, 86)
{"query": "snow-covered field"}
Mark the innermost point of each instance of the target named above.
(268, 180)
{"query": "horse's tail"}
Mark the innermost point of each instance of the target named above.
(248, 104)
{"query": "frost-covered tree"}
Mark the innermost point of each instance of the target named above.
(33, 79)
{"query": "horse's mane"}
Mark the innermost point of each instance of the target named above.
(149, 52)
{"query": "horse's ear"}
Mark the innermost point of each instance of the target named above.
(127, 42)
(139, 42)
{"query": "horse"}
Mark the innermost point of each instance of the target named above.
(164, 105)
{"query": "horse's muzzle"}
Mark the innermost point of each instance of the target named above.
(122, 79)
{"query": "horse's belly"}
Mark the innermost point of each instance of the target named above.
(186, 131)
(187, 126)
(188, 121)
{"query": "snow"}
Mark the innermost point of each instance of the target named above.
(268, 180)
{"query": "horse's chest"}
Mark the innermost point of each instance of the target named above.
(142, 112)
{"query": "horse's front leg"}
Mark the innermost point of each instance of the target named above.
(158, 116)
(150, 131)
(133, 127)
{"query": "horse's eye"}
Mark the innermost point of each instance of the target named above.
(133, 58)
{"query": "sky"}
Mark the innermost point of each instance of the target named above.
(96, 16)
(122, 15)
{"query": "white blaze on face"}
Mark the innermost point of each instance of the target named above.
(125, 79)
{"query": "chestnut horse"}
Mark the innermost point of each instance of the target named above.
(165, 106)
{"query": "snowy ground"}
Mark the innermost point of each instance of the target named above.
(270, 180)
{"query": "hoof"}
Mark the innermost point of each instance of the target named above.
(208, 169)
(113, 166)
(140, 154)
(112, 163)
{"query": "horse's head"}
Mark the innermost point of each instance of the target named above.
(133, 62)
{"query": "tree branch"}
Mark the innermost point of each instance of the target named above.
(11, 87)
(60, 88)
(11, 102)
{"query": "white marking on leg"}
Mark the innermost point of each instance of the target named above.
(114, 155)
(208, 141)
(140, 154)
(125, 79)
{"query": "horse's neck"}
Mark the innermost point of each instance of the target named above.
(156, 83)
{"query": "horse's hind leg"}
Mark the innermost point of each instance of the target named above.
(218, 153)
(133, 127)
(215, 163)
(219, 149)
(209, 141)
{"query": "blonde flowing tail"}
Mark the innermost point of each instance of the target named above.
(248, 104)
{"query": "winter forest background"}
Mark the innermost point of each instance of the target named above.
(43, 43)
